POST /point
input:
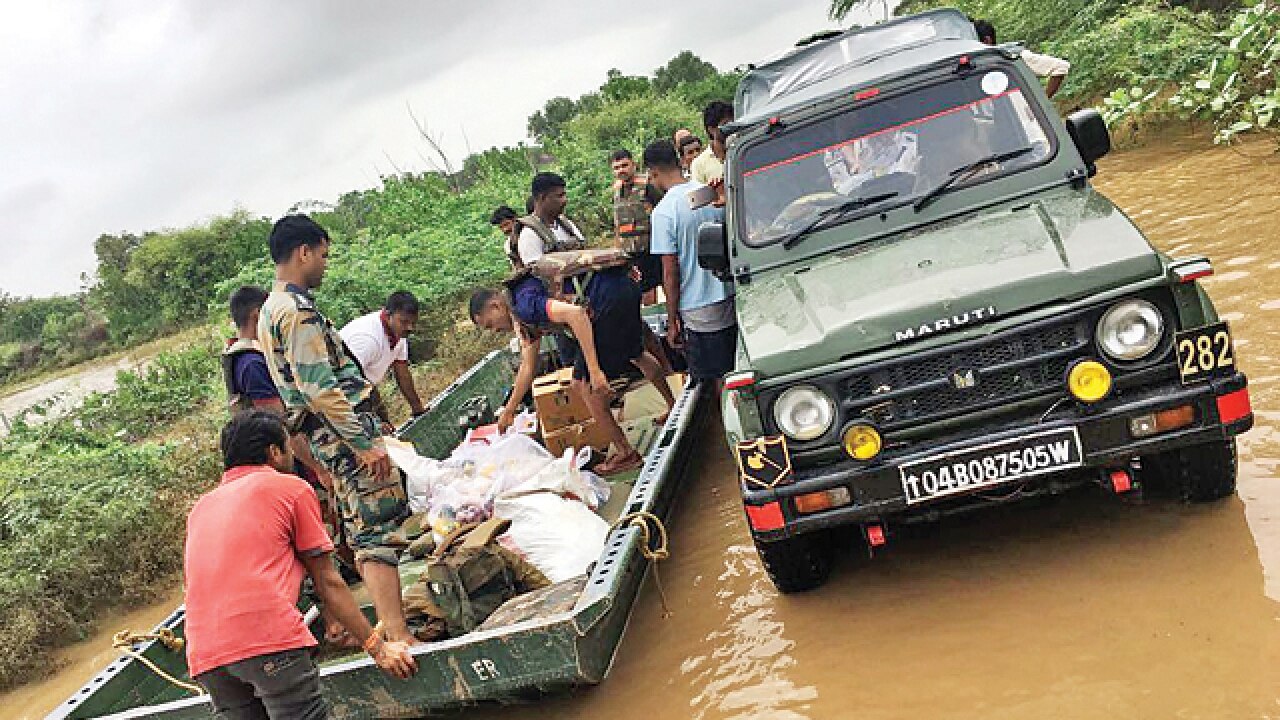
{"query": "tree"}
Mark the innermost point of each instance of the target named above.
(621, 88)
(546, 124)
(683, 69)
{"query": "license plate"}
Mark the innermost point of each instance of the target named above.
(1006, 461)
(1204, 353)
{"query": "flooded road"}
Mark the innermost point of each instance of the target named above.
(1081, 607)
(1078, 607)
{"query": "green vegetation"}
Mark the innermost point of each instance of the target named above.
(91, 516)
(1209, 61)
(92, 504)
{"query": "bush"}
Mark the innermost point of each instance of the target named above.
(86, 522)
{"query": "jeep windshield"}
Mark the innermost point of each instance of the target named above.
(898, 148)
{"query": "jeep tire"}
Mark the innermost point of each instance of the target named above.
(797, 564)
(1198, 474)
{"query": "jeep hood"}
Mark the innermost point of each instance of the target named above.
(962, 272)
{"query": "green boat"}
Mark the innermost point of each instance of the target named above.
(547, 641)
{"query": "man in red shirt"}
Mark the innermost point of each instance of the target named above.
(250, 541)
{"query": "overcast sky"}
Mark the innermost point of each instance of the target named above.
(141, 115)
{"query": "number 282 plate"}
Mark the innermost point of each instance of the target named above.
(1204, 353)
(1002, 462)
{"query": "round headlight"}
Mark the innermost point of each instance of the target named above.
(804, 412)
(1130, 330)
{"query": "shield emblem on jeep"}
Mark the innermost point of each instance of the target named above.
(964, 379)
(764, 461)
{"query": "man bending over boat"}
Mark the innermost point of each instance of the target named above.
(330, 400)
(249, 543)
(608, 329)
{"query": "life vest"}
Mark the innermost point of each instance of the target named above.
(237, 402)
(551, 243)
(632, 206)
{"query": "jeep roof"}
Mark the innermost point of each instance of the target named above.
(853, 58)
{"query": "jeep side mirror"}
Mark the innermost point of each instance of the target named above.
(1089, 132)
(713, 249)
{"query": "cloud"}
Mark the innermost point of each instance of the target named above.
(137, 115)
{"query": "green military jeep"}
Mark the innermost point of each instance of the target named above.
(937, 310)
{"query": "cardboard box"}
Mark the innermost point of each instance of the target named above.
(556, 402)
(576, 436)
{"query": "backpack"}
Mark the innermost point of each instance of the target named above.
(469, 575)
(550, 242)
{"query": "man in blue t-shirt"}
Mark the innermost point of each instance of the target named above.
(700, 309)
(608, 329)
(244, 367)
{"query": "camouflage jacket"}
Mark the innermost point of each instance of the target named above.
(633, 203)
(310, 365)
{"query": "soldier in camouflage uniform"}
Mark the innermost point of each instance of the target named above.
(634, 198)
(329, 399)
(633, 201)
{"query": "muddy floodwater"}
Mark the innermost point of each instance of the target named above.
(1077, 607)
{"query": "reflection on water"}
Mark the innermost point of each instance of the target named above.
(1078, 607)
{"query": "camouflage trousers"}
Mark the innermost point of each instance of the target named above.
(371, 510)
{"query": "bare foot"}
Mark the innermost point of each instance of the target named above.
(619, 464)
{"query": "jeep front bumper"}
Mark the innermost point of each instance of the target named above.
(877, 490)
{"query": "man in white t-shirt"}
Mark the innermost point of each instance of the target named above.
(379, 342)
(1045, 66)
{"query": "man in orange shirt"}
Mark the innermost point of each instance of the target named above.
(250, 541)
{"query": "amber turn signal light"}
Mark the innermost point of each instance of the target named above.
(1163, 421)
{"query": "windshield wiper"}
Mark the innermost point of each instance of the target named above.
(833, 212)
(965, 171)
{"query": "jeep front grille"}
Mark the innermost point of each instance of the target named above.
(970, 377)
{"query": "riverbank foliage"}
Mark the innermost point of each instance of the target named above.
(1211, 62)
(92, 503)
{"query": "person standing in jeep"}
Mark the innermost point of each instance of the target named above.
(546, 229)
(700, 307)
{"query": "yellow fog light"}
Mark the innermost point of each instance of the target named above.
(1089, 381)
(862, 441)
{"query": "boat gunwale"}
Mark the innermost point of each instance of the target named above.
(603, 583)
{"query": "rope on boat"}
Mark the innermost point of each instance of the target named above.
(653, 553)
(125, 640)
